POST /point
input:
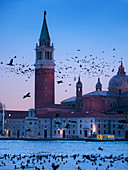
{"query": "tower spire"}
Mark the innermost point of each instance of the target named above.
(121, 69)
(98, 85)
(44, 36)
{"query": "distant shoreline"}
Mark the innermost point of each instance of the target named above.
(42, 139)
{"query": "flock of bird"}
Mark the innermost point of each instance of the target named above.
(90, 65)
(53, 161)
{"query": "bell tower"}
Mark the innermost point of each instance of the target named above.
(44, 69)
(98, 85)
(78, 94)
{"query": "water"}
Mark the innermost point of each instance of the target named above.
(64, 148)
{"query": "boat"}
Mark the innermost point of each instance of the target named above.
(100, 137)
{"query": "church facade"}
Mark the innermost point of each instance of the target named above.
(99, 112)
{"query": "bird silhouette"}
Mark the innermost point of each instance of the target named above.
(55, 166)
(59, 82)
(101, 149)
(27, 95)
(10, 63)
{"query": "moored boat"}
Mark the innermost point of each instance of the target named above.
(100, 137)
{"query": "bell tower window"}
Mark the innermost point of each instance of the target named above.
(48, 55)
(78, 89)
(39, 56)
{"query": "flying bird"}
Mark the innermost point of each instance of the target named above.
(59, 82)
(27, 95)
(101, 149)
(11, 63)
(55, 166)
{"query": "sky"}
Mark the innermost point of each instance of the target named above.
(96, 27)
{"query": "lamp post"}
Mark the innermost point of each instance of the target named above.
(3, 119)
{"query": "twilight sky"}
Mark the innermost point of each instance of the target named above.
(96, 27)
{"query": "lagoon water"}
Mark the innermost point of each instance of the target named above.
(69, 148)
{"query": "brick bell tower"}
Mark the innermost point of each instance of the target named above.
(44, 69)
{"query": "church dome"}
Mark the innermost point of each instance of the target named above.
(119, 81)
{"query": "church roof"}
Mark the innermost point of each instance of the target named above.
(71, 99)
(101, 93)
(44, 32)
(73, 114)
(13, 114)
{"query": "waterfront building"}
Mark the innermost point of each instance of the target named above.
(100, 112)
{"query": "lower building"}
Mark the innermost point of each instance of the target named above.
(63, 125)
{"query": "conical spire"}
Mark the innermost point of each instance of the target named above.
(98, 85)
(44, 32)
(121, 69)
(79, 82)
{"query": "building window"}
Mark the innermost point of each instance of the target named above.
(85, 121)
(64, 121)
(73, 131)
(39, 56)
(80, 121)
(39, 133)
(91, 125)
(58, 131)
(113, 104)
(91, 132)
(80, 125)
(98, 125)
(55, 132)
(69, 131)
(98, 131)
(113, 131)
(73, 125)
(119, 91)
(104, 131)
(104, 126)
(80, 132)
(119, 132)
(48, 55)
(55, 126)
(30, 123)
(113, 125)
(91, 120)
(45, 121)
